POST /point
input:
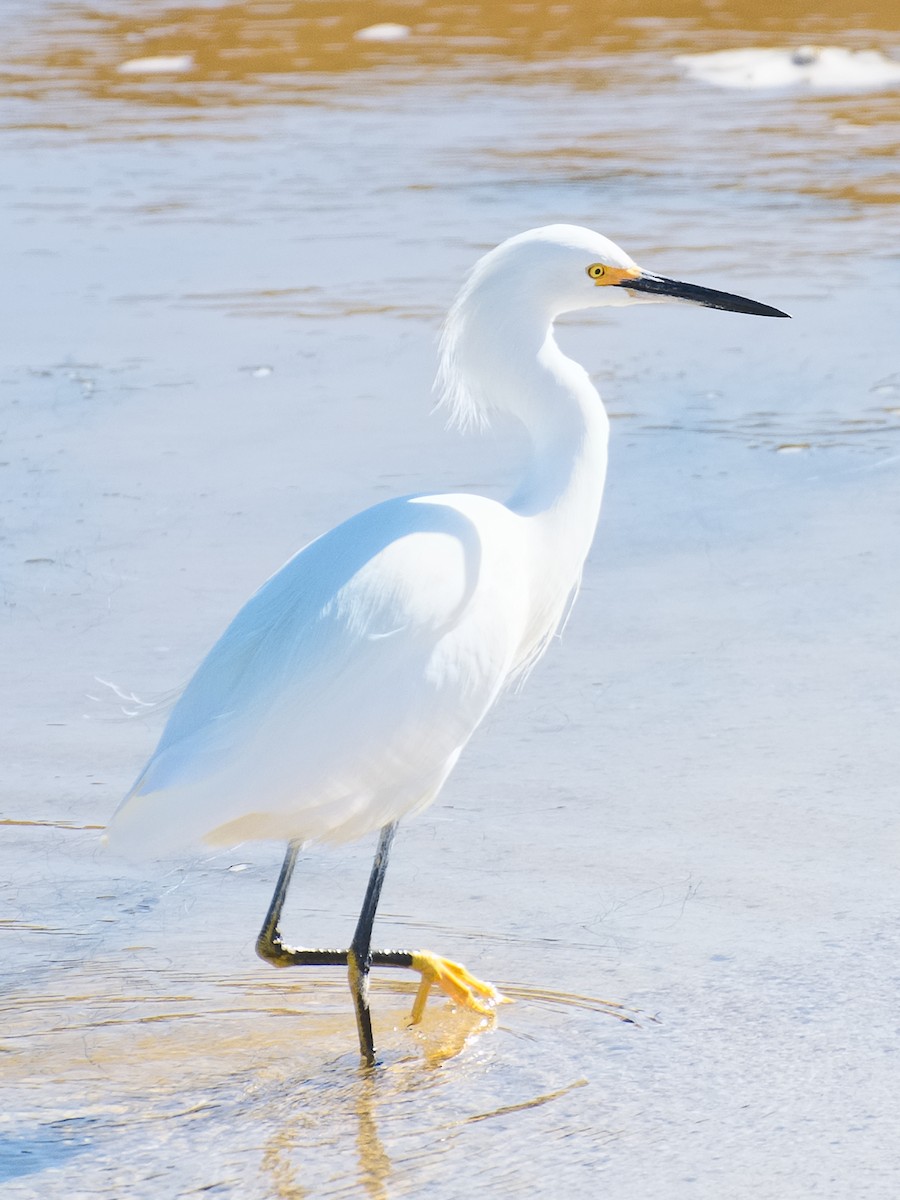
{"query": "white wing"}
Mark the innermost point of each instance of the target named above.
(342, 693)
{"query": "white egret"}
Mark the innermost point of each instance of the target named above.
(340, 697)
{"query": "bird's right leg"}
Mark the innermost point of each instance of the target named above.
(269, 945)
(358, 959)
(451, 977)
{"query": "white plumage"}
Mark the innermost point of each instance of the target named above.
(341, 695)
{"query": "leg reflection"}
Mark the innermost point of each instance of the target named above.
(348, 1112)
(374, 1164)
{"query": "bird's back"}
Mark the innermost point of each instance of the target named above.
(341, 694)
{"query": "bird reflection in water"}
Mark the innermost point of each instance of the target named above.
(441, 1036)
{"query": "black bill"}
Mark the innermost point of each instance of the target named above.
(657, 285)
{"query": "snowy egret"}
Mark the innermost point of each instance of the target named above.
(340, 697)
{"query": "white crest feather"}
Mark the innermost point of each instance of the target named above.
(465, 407)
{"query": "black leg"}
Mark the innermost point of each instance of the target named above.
(269, 945)
(359, 957)
(453, 979)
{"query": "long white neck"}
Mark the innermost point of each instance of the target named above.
(511, 364)
(568, 431)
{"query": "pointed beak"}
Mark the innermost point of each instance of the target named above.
(657, 285)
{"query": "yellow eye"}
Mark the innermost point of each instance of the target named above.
(596, 270)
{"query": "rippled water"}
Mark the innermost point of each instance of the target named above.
(222, 293)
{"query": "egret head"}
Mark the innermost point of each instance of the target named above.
(571, 268)
(504, 310)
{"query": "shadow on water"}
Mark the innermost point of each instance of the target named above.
(40, 1147)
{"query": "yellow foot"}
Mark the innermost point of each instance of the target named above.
(456, 981)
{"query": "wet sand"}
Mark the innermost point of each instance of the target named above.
(223, 293)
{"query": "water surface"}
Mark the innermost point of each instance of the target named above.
(223, 292)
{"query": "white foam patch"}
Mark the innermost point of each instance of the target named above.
(820, 67)
(386, 32)
(163, 64)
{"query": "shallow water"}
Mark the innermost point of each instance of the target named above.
(223, 290)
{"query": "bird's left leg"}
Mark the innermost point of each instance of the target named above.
(451, 977)
(359, 956)
(358, 959)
